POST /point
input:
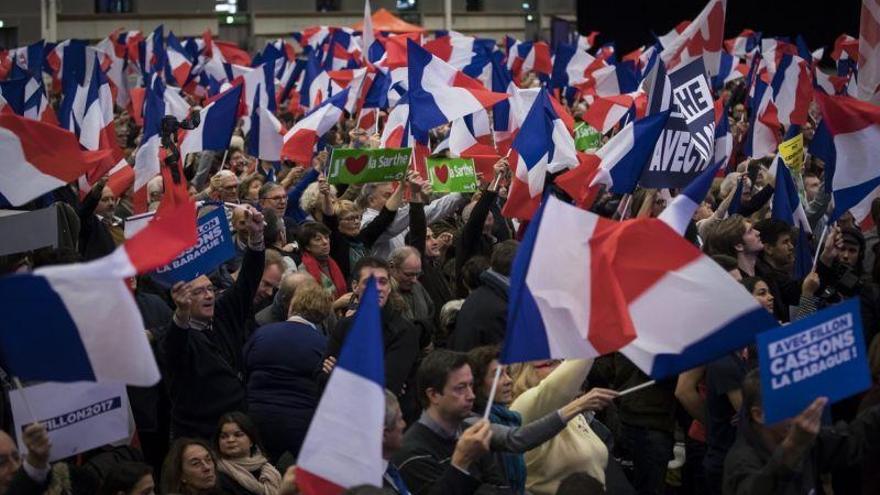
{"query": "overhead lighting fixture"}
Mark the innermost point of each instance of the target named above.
(230, 19)
(526, 6)
(530, 18)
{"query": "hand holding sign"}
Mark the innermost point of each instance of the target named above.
(802, 432)
(36, 440)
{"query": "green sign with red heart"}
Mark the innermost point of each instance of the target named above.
(452, 174)
(586, 138)
(360, 166)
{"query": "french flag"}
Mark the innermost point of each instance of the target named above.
(266, 135)
(396, 133)
(439, 94)
(147, 161)
(216, 123)
(723, 139)
(605, 112)
(326, 465)
(624, 156)
(570, 65)
(848, 140)
(788, 208)
(682, 208)
(471, 137)
(869, 53)
(543, 144)
(299, 142)
(662, 311)
(764, 134)
(528, 56)
(792, 90)
(702, 37)
(729, 69)
(743, 44)
(88, 312)
(179, 64)
(39, 157)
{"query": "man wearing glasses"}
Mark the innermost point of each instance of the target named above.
(201, 351)
(273, 197)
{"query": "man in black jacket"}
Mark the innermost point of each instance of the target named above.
(32, 476)
(483, 316)
(775, 265)
(201, 351)
(402, 339)
(787, 458)
(436, 456)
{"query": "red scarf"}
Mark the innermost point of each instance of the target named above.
(313, 266)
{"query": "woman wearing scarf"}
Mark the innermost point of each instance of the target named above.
(314, 240)
(483, 362)
(243, 468)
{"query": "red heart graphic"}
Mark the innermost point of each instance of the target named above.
(442, 173)
(356, 164)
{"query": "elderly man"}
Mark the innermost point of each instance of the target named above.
(223, 187)
(202, 349)
(406, 268)
(273, 197)
(31, 477)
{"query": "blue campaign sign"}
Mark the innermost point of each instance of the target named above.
(687, 145)
(214, 246)
(823, 355)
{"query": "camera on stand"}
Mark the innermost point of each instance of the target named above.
(168, 133)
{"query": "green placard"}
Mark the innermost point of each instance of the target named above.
(585, 137)
(452, 174)
(360, 166)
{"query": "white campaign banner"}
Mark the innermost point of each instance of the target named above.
(79, 416)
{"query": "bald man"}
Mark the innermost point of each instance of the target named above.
(201, 350)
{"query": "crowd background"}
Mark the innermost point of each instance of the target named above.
(246, 351)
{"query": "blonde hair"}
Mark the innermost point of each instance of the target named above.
(217, 179)
(311, 302)
(344, 207)
(311, 197)
(524, 376)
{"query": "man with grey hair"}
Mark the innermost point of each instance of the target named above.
(273, 197)
(406, 268)
(373, 198)
(155, 191)
(277, 311)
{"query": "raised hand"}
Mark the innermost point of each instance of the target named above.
(36, 439)
(181, 294)
(472, 444)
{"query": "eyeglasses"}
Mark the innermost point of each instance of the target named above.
(201, 290)
(276, 198)
(12, 456)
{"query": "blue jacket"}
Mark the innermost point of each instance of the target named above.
(281, 360)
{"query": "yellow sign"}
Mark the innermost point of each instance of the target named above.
(792, 152)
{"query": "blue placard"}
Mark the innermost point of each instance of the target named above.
(214, 247)
(823, 355)
(687, 144)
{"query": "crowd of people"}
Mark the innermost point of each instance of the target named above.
(247, 350)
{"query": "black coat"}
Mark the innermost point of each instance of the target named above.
(482, 319)
(340, 244)
(282, 394)
(95, 239)
(204, 369)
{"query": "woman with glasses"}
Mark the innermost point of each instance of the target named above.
(348, 241)
(243, 468)
(190, 469)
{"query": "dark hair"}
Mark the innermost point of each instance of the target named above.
(502, 256)
(172, 467)
(750, 282)
(751, 392)
(435, 370)
(308, 231)
(472, 269)
(728, 263)
(480, 358)
(724, 236)
(772, 229)
(580, 483)
(247, 426)
(271, 233)
(122, 477)
(367, 262)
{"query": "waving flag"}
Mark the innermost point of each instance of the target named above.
(661, 311)
(179, 65)
(147, 162)
(527, 56)
(680, 211)
(624, 156)
(89, 313)
(36, 158)
(299, 142)
(605, 112)
(788, 208)
(764, 128)
(792, 90)
(723, 139)
(396, 133)
(743, 44)
(702, 38)
(849, 143)
(216, 123)
(439, 94)
(266, 135)
(325, 465)
(543, 144)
